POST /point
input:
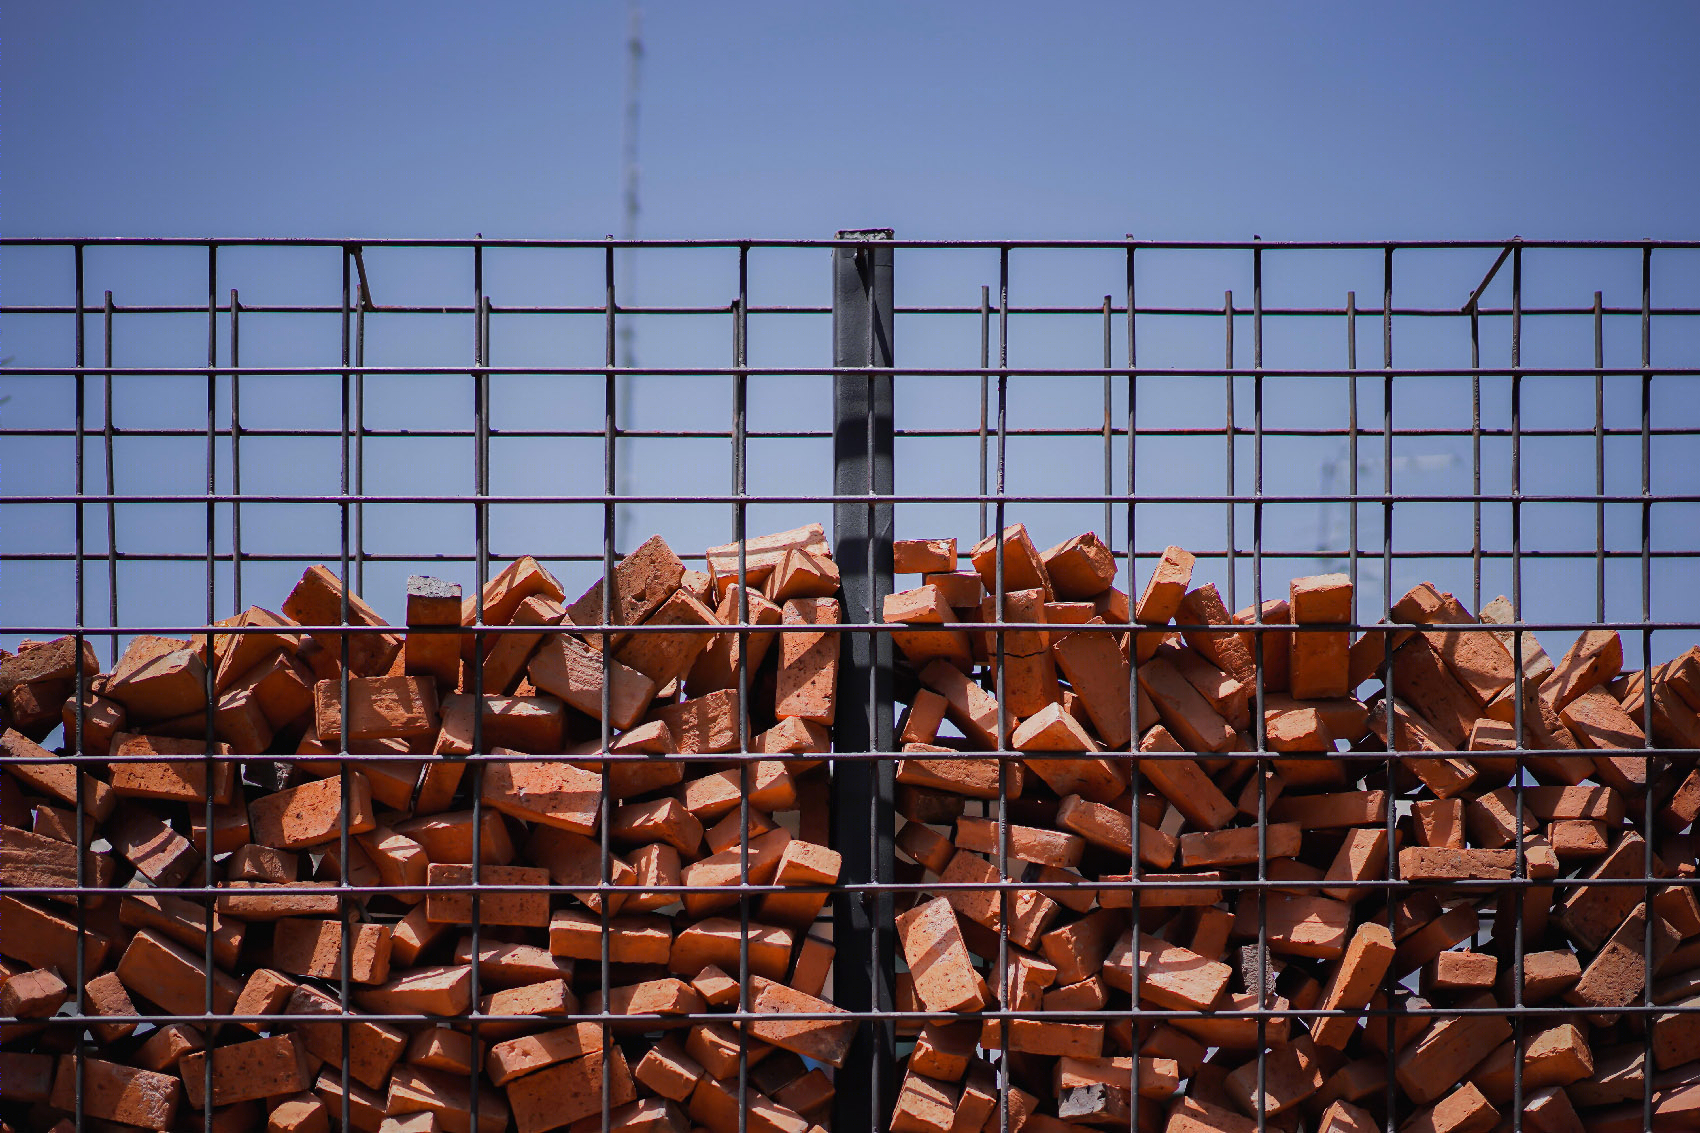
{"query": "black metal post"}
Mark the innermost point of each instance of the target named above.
(862, 791)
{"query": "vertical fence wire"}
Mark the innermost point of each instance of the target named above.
(740, 529)
(481, 578)
(344, 742)
(80, 965)
(1135, 783)
(1651, 919)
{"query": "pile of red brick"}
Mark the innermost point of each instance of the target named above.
(281, 942)
(1478, 860)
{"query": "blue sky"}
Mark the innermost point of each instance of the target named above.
(1210, 122)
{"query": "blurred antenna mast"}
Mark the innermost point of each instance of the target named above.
(629, 221)
(1333, 512)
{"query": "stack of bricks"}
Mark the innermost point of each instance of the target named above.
(1140, 835)
(259, 894)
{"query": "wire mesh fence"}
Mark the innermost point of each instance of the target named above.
(193, 426)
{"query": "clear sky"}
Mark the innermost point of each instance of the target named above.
(1184, 121)
(1207, 121)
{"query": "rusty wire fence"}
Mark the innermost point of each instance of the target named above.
(191, 423)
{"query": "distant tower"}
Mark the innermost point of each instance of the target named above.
(627, 341)
(1334, 511)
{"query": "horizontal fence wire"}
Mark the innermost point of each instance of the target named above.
(187, 430)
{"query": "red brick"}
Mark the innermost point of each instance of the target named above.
(669, 1071)
(436, 990)
(1223, 648)
(808, 662)
(813, 966)
(177, 780)
(1183, 708)
(432, 602)
(365, 1107)
(523, 723)
(962, 589)
(1300, 924)
(507, 654)
(1239, 846)
(166, 1046)
(944, 1051)
(800, 863)
(708, 723)
(925, 1105)
(568, 1091)
(1290, 1074)
(373, 1048)
(1161, 599)
(552, 793)
(35, 994)
(572, 670)
(1025, 843)
(768, 785)
(802, 574)
(48, 661)
(313, 948)
(309, 815)
(1276, 656)
(35, 709)
(1101, 677)
(1077, 950)
(824, 1040)
(1023, 569)
(710, 877)
(925, 605)
(317, 600)
(111, 1092)
(1362, 857)
(1464, 1110)
(28, 859)
(1053, 730)
(159, 678)
(185, 921)
(378, 708)
(1617, 973)
(762, 553)
(168, 975)
(666, 657)
(1182, 781)
(1169, 975)
(447, 1098)
(922, 556)
(716, 667)
(304, 1113)
(53, 779)
(102, 718)
(1352, 983)
(449, 897)
(260, 1068)
(536, 1001)
(1080, 567)
(945, 978)
(1595, 658)
(971, 777)
(1113, 830)
(1446, 1052)
(717, 940)
(501, 964)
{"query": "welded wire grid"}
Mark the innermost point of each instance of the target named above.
(1019, 395)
